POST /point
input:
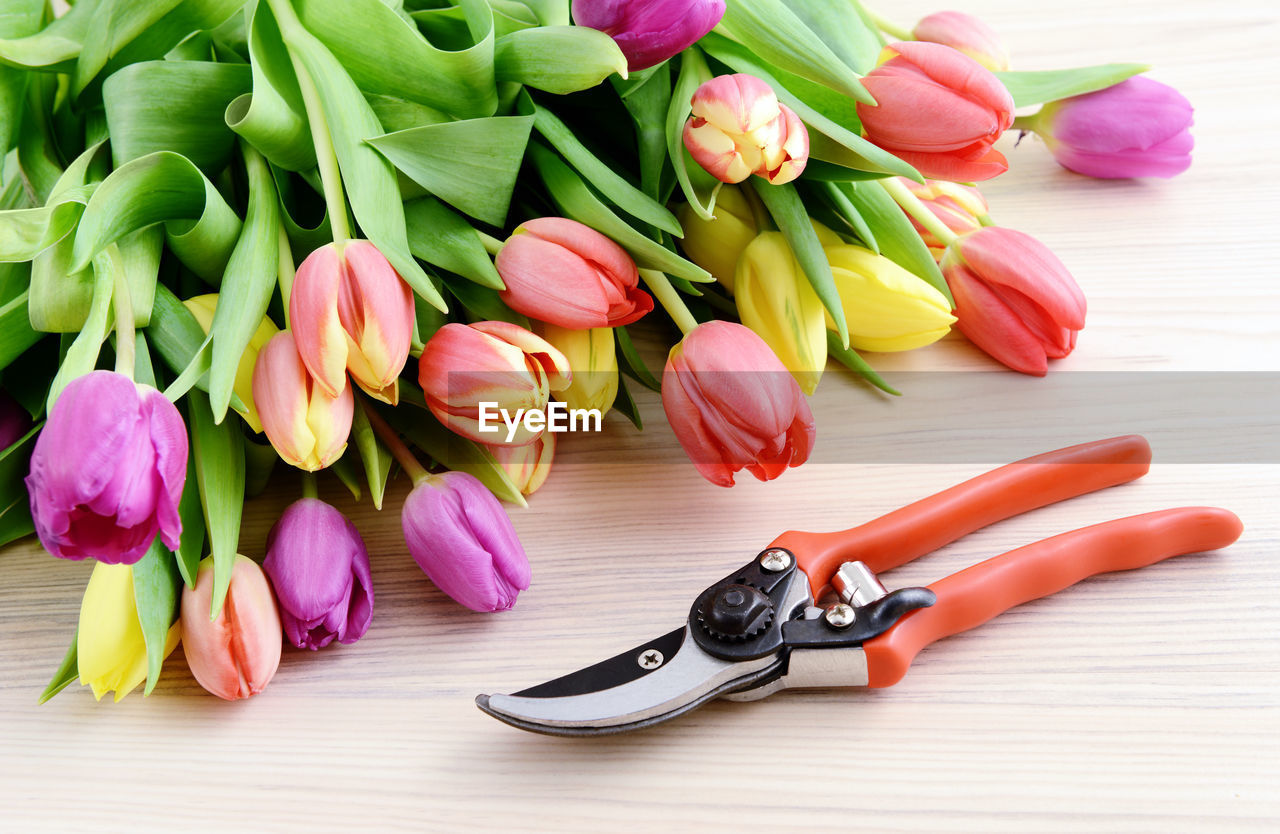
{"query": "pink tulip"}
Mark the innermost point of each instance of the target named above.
(1014, 298)
(494, 364)
(527, 466)
(460, 536)
(738, 128)
(733, 405)
(1138, 128)
(236, 654)
(107, 471)
(966, 33)
(319, 568)
(350, 311)
(649, 31)
(568, 274)
(307, 427)
(939, 110)
(959, 207)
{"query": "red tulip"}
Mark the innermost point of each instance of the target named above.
(733, 405)
(939, 110)
(966, 33)
(1014, 298)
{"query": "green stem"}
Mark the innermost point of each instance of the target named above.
(394, 444)
(122, 305)
(310, 487)
(285, 272)
(889, 27)
(491, 244)
(1031, 123)
(912, 205)
(670, 300)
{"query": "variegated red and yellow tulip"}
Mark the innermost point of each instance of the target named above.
(529, 465)
(966, 33)
(738, 128)
(350, 311)
(307, 427)
(959, 207)
(235, 654)
(495, 363)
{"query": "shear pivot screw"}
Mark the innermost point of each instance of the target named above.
(839, 615)
(650, 659)
(774, 560)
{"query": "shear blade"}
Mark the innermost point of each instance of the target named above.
(629, 691)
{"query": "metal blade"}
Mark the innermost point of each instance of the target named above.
(621, 694)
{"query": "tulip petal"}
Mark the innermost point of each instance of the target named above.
(375, 308)
(313, 308)
(1038, 284)
(993, 326)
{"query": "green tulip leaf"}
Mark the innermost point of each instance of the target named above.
(183, 344)
(851, 360)
(635, 365)
(67, 673)
(439, 236)
(699, 187)
(788, 211)
(260, 461)
(191, 546)
(15, 504)
(483, 303)
(21, 18)
(396, 114)
(38, 158)
(250, 279)
(578, 201)
(627, 406)
(558, 59)
(1037, 87)
(375, 457)
(471, 164)
(61, 297)
(302, 237)
(649, 102)
(16, 333)
(155, 595)
(896, 238)
(82, 355)
(844, 30)
(346, 472)
(844, 208)
(53, 48)
(25, 233)
(219, 455)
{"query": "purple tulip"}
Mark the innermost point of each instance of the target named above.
(14, 421)
(460, 536)
(319, 568)
(107, 471)
(649, 31)
(1138, 128)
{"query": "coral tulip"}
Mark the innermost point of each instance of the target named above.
(203, 307)
(494, 365)
(888, 309)
(777, 302)
(716, 244)
(527, 466)
(460, 536)
(734, 405)
(563, 272)
(649, 31)
(1137, 128)
(351, 311)
(959, 207)
(939, 110)
(1014, 298)
(966, 33)
(111, 652)
(235, 654)
(307, 427)
(738, 128)
(107, 471)
(319, 568)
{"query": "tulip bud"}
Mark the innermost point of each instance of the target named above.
(203, 308)
(593, 361)
(738, 128)
(733, 405)
(307, 427)
(716, 244)
(776, 301)
(527, 466)
(319, 568)
(564, 272)
(651, 32)
(966, 33)
(235, 654)
(107, 471)
(494, 363)
(959, 207)
(460, 536)
(887, 308)
(111, 652)
(1014, 298)
(939, 110)
(350, 311)
(1137, 128)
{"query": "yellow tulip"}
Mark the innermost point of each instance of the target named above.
(593, 360)
(111, 652)
(888, 308)
(777, 302)
(203, 308)
(716, 244)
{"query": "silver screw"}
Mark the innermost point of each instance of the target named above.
(774, 560)
(840, 615)
(650, 659)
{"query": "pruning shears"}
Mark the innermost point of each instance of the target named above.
(758, 630)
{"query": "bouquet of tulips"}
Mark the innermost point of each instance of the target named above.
(227, 227)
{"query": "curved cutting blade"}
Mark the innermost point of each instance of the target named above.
(653, 682)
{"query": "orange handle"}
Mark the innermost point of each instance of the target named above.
(973, 596)
(929, 523)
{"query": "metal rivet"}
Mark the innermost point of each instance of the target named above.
(774, 560)
(650, 659)
(840, 615)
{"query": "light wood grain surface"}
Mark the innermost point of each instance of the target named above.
(1143, 701)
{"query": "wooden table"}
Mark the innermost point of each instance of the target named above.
(1141, 701)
